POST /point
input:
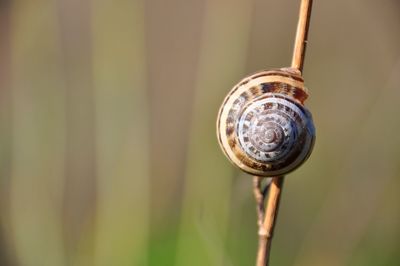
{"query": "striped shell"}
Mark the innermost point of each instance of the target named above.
(263, 127)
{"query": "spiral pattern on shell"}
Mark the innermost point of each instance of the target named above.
(263, 127)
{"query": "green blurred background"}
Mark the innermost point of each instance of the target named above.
(108, 154)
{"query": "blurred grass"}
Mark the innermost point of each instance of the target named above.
(108, 154)
(38, 135)
(207, 192)
(122, 133)
(80, 192)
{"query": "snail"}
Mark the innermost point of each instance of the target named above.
(263, 126)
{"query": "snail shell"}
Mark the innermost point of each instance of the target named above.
(263, 126)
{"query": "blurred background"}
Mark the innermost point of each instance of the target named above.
(108, 153)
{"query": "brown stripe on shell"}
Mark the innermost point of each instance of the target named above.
(278, 73)
(284, 72)
(232, 142)
(246, 95)
(256, 90)
(283, 88)
(230, 129)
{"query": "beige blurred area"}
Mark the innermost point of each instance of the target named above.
(108, 153)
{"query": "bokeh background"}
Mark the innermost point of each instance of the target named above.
(108, 154)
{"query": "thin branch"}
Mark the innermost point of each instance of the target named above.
(270, 212)
(259, 197)
(260, 194)
(266, 229)
(300, 43)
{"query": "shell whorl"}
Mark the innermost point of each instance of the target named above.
(262, 125)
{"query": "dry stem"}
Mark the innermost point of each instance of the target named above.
(300, 42)
(267, 215)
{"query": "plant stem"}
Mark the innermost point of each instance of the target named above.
(267, 216)
(300, 42)
(267, 223)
